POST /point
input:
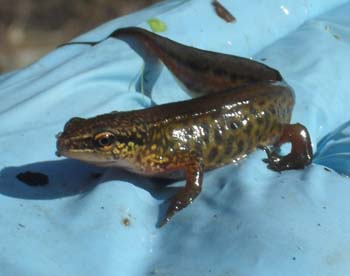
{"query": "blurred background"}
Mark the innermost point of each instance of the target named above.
(32, 28)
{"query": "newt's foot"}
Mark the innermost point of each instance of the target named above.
(183, 198)
(279, 163)
(301, 152)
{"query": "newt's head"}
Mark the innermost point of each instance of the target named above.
(106, 140)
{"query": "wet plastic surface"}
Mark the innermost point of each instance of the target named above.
(247, 221)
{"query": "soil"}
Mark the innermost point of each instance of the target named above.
(31, 28)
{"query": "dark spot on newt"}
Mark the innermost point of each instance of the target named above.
(253, 110)
(196, 66)
(240, 146)
(196, 88)
(219, 71)
(228, 148)
(326, 169)
(248, 129)
(138, 158)
(198, 148)
(170, 53)
(260, 120)
(272, 109)
(21, 225)
(205, 129)
(131, 137)
(257, 133)
(218, 136)
(33, 178)
(261, 102)
(267, 117)
(233, 77)
(271, 125)
(212, 154)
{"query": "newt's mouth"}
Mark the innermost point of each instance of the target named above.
(83, 154)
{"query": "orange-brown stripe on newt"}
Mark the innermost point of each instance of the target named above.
(246, 105)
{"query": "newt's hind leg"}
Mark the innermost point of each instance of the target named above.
(301, 152)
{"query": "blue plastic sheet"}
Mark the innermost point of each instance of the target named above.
(247, 221)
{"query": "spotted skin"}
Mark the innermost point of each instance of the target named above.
(240, 105)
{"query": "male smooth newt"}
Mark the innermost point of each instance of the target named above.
(246, 105)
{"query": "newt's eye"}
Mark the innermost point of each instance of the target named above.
(104, 140)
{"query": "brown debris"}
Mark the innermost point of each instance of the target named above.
(222, 12)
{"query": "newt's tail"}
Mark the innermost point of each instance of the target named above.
(199, 71)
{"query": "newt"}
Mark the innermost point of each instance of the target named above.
(240, 105)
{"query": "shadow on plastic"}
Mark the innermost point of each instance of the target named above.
(69, 177)
(333, 150)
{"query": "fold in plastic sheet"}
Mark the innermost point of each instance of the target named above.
(247, 221)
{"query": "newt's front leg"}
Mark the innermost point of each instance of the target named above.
(301, 152)
(193, 168)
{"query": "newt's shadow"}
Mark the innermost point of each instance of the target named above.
(69, 177)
